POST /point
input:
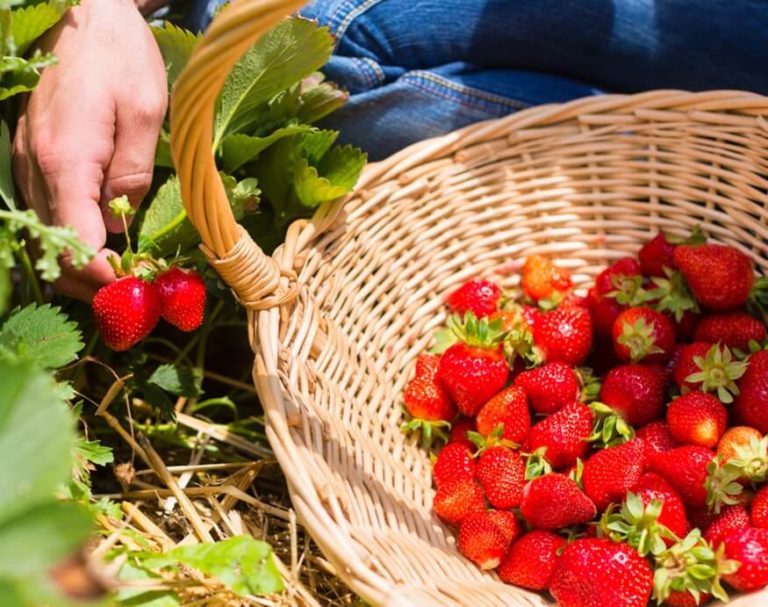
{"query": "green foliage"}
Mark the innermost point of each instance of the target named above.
(40, 334)
(7, 190)
(176, 45)
(238, 149)
(36, 442)
(178, 380)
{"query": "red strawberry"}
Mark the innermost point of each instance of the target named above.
(459, 430)
(501, 472)
(734, 329)
(454, 462)
(182, 297)
(656, 254)
(685, 468)
(126, 311)
(673, 516)
(549, 387)
(621, 276)
(751, 404)
(564, 335)
(729, 521)
(604, 310)
(685, 327)
(454, 501)
(610, 473)
(481, 540)
(531, 560)
(758, 514)
(508, 407)
(637, 392)
(750, 548)
(643, 334)
(481, 297)
(563, 434)
(473, 375)
(656, 437)
(683, 363)
(424, 396)
(719, 276)
(541, 279)
(554, 501)
(597, 572)
(507, 523)
(679, 598)
(697, 418)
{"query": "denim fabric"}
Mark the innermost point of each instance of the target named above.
(418, 68)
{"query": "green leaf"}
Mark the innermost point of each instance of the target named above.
(94, 452)
(139, 597)
(36, 438)
(6, 288)
(293, 50)
(336, 174)
(238, 149)
(176, 45)
(242, 563)
(182, 381)
(163, 156)
(31, 22)
(37, 538)
(319, 98)
(43, 335)
(7, 190)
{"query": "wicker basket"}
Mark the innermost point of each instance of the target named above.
(338, 314)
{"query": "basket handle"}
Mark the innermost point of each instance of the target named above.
(254, 276)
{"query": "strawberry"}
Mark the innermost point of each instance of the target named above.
(734, 329)
(656, 254)
(482, 541)
(697, 418)
(636, 391)
(604, 310)
(736, 436)
(126, 311)
(679, 598)
(622, 277)
(685, 327)
(720, 277)
(542, 280)
(459, 430)
(549, 387)
(501, 472)
(563, 434)
(508, 407)
(751, 405)
(610, 473)
(643, 334)
(182, 297)
(597, 572)
(728, 521)
(456, 500)
(531, 560)
(474, 369)
(685, 468)
(656, 437)
(758, 514)
(750, 548)
(564, 335)
(708, 368)
(507, 523)
(454, 462)
(554, 501)
(481, 297)
(426, 400)
(673, 516)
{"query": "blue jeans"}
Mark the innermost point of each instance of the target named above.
(420, 68)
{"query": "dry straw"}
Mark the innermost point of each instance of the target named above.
(338, 314)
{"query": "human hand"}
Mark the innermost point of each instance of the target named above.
(88, 132)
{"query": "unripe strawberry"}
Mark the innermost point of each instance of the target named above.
(126, 311)
(182, 297)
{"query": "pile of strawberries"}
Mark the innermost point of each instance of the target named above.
(128, 309)
(608, 449)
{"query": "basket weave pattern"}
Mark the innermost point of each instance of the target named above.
(340, 312)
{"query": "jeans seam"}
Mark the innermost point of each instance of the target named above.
(374, 75)
(353, 14)
(433, 83)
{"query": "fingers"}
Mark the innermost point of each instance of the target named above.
(129, 172)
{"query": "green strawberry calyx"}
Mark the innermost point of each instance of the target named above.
(636, 524)
(477, 333)
(672, 295)
(722, 484)
(429, 431)
(638, 337)
(691, 565)
(628, 290)
(608, 427)
(536, 464)
(494, 439)
(589, 383)
(718, 372)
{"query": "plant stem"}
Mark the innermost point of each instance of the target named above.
(26, 262)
